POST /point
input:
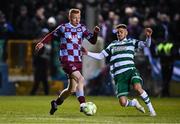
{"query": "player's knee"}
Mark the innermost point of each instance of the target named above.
(81, 79)
(139, 90)
(122, 103)
(137, 87)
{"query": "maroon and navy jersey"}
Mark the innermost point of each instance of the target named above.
(71, 39)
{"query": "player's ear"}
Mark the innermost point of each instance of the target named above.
(126, 32)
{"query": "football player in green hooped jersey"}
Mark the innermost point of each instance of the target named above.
(123, 70)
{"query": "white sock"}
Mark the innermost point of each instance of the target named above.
(82, 104)
(79, 93)
(130, 103)
(146, 99)
(150, 107)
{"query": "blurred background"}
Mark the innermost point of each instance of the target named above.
(24, 22)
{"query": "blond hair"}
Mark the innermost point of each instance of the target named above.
(75, 11)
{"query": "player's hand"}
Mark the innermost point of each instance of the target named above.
(148, 32)
(96, 29)
(84, 50)
(38, 46)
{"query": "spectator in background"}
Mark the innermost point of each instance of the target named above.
(165, 59)
(154, 62)
(129, 12)
(6, 29)
(61, 17)
(51, 8)
(176, 36)
(23, 26)
(40, 64)
(175, 28)
(51, 23)
(134, 28)
(103, 25)
(39, 21)
(112, 20)
(161, 36)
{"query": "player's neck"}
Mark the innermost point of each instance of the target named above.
(122, 39)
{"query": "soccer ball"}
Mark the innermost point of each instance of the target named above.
(89, 108)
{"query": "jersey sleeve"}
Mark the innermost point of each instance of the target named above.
(58, 31)
(104, 53)
(86, 33)
(98, 56)
(91, 37)
(141, 44)
(49, 37)
(107, 52)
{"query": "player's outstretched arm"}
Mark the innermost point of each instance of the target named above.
(98, 56)
(41, 43)
(95, 35)
(148, 33)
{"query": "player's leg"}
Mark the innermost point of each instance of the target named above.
(145, 97)
(63, 95)
(131, 103)
(122, 90)
(67, 92)
(80, 88)
(137, 82)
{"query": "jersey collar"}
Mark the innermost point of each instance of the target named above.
(74, 26)
(123, 40)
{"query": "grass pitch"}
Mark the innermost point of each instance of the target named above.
(35, 109)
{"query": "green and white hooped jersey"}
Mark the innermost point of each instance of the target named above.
(122, 54)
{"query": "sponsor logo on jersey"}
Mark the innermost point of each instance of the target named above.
(119, 48)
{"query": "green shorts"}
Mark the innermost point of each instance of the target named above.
(124, 80)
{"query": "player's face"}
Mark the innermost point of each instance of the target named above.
(75, 18)
(121, 33)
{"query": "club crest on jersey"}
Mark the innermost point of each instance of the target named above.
(79, 29)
